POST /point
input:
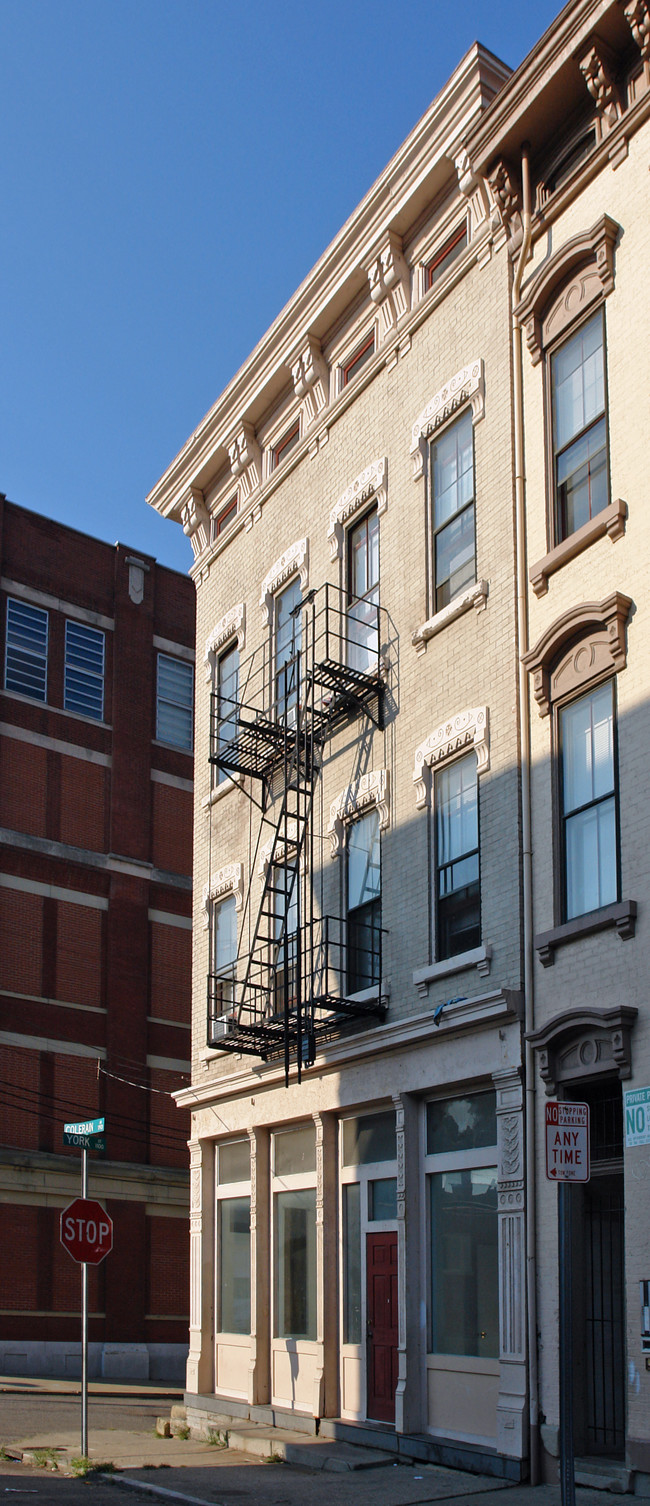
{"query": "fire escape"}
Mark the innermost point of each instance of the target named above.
(303, 978)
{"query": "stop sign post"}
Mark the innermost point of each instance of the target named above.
(86, 1231)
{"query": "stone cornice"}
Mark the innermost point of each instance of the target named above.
(409, 181)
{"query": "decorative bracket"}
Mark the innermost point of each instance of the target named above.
(310, 380)
(231, 625)
(295, 558)
(473, 189)
(371, 482)
(227, 880)
(245, 459)
(370, 789)
(598, 66)
(195, 519)
(468, 385)
(388, 276)
(637, 15)
(507, 200)
(468, 729)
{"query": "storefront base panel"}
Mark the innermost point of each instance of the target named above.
(458, 1393)
(232, 1359)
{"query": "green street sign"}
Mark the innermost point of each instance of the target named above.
(86, 1135)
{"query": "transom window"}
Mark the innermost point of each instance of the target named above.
(286, 444)
(458, 897)
(174, 720)
(578, 403)
(363, 609)
(452, 490)
(589, 802)
(26, 649)
(364, 902)
(83, 686)
(453, 247)
(362, 354)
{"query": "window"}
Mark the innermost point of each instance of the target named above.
(579, 423)
(227, 686)
(174, 719)
(463, 1222)
(224, 952)
(452, 491)
(83, 685)
(294, 1208)
(224, 519)
(446, 255)
(364, 903)
(26, 650)
(589, 802)
(233, 1238)
(363, 592)
(285, 907)
(286, 444)
(362, 354)
(458, 898)
(287, 639)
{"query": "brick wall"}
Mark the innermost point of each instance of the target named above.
(167, 1267)
(172, 828)
(170, 978)
(83, 822)
(79, 954)
(21, 941)
(23, 786)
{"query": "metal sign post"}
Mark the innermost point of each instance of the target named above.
(567, 1160)
(88, 1135)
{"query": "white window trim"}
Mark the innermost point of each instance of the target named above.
(295, 559)
(231, 625)
(371, 790)
(363, 330)
(371, 482)
(226, 881)
(466, 386)
(467, 729)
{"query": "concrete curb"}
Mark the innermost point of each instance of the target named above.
(155, 1490)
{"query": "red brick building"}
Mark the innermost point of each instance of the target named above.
(96, 726)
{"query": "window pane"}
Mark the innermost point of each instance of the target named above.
(295, 1150)
(288, 633)
(464, 1268)
(371, 1138)
(582, 489)
(456, 797)
(295, 1264)
(578, 380)
(352, 1264)
(234, 1162)
(228, 705)
(382, 1199)
(225, 933)
(587, 735)
(26, 652)
(453, 469)
(592, 879)
(84, 670)
(175, 696)
(461, 1123)
(364, 870)
(234, 1296)
(455, 562)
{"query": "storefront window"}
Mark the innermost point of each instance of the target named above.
(382, 1199)
(369, 1139)
(234, 1297)
(352, 1269)
(461, 1123)
(295, 1264)
(464, 1269)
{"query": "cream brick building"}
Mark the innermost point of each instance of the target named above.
(397, 520)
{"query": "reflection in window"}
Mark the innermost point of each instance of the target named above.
(589, 802)
(382, 1199)
(452, 487)
(458, 899)
(464, 1266)
(363, 609)
(461, 1123)
(26, 650)
(579, 427)
(352, 1270)
(371, 1138)
(295, 1264)
(364, 902)
(286, 649)
(224, 950)
(227, 704)
(234, 1285)
(295, 1151)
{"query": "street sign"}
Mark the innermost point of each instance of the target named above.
(567, 1142)
(86, 1231)
(637, 1116)
(87, 1135)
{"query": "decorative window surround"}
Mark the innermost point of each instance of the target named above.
(583, 1042)
(467, 386)
(479, 957)
(310, 380)
(245, 459)
(475, 596)
(370, 482)
(296, 557)
(390, 283)
(610, 521)
(620, 916)
(231, 625)
(601, 652)
(266, 850)
(196, 520)
(370, 789)
(586, 260)
(227, 880)
(466, 729)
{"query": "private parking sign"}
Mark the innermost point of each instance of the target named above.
(567, 1142)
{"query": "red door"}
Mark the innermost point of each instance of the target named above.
(381, 1265)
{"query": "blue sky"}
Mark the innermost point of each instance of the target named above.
(170, 171)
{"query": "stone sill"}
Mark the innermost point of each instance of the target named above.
(620, 916)
(475, 596)
(610, 521)
(231, 782)
(479, 957)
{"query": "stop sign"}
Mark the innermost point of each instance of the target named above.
(86, 1231)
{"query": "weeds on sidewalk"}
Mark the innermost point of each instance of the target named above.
(183, 1433)
(217, 1438)
(45, 1458)
(82, 1467)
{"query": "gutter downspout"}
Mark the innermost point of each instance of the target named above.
(527, 873)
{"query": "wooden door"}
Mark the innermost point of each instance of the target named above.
(381, 1266)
